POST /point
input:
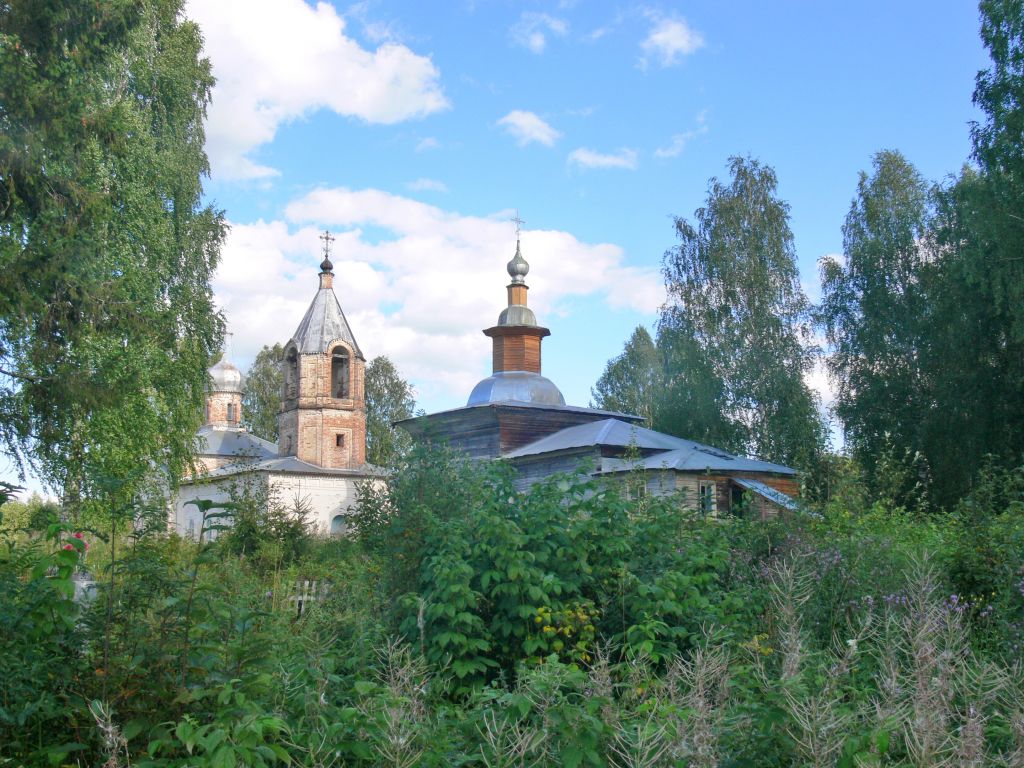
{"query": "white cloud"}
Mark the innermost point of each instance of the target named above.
(280, 60)
(421, 292)
(427, 185)
(526, 127)
(532, 29)
(680, 140)
(375, 30)
(668, 39)
(428, 143)
(588, 158)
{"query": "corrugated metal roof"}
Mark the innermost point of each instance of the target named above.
(216, 441)
(513, 404)
(323, 323)
(774, 496)
(695, 460)
(673, 452)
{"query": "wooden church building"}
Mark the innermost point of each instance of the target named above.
(518, 415)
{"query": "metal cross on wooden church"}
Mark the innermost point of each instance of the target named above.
(518, 222)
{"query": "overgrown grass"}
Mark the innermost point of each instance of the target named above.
(473, 625)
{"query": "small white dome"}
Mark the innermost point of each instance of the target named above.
(226, 377)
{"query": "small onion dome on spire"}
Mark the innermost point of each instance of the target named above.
(518, 268)
(326, 268)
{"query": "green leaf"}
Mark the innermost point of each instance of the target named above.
(133, 728)
(572, 757)
(364, 687)
(882, 742)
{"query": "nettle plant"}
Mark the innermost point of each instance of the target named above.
(486, 578)
(39, 631)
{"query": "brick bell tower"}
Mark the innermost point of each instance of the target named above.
(323, 410)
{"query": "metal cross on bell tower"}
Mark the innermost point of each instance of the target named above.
(328, 238)
(326, 266)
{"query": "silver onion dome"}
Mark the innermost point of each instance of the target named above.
(226, 377)
(518, 268)
(516, 387)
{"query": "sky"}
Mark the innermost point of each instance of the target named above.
(414, 131)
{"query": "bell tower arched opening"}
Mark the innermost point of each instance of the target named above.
(341, 373)
(291, 374)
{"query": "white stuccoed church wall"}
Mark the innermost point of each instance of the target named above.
(328, 497)
(187, 517)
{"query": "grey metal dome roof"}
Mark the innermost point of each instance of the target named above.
(516, 387)
(226, 377)
(517, 314)
(323, 323)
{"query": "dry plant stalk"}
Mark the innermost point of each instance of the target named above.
(934, 644)
(404, 711)
(511, 744)
(1010, 700)
(789, 592)
(699, 685)
(600, 685)
(821, 727)
(113, 740)
(322, 753)
(641, 743)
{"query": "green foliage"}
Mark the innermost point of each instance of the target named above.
(488, 577)
(32, 514)
(264, 384)
(274, 532)
(389, 398)
(631, 382)
(874, 311)
(37, 630)
(571, 624)
(693, 403)
(106, 251)
(734, 290)
(925, 315)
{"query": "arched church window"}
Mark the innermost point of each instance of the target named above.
(291, 374)
(339, 526)
(340, 373)
(231, 413)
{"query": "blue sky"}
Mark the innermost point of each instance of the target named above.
(413, 130)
